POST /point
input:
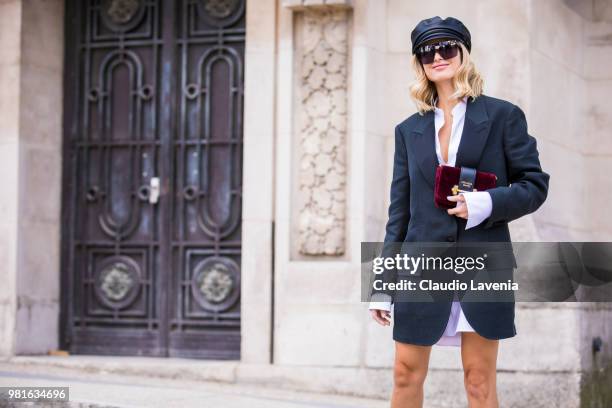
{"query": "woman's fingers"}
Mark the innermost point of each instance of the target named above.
(379, 318)
(461, 209)
(387, 316)
(382, 317)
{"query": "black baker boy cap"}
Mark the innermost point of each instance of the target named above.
(435, 27)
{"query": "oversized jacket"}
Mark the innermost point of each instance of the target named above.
(494, 139)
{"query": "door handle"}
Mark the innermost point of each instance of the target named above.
(154, 191)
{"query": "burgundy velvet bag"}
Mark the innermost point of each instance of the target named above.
(449, 182)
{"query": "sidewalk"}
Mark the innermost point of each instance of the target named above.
(104, 386)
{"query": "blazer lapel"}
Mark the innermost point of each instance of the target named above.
(476, 128)
(475, 132)
(425, 146)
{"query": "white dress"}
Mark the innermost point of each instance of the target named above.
(479, 208)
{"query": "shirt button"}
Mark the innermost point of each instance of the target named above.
(450, 238)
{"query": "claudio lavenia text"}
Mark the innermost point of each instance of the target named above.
(455, 284)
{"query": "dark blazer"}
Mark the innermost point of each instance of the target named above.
(494, 139)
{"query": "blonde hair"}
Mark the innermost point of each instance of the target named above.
(467, 82)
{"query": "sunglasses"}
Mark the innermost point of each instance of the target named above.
(447, 50)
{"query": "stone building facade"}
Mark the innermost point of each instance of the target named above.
(325, 82)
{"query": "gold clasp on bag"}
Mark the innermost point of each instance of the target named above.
(456, 190)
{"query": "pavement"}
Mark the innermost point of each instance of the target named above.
(106, 389)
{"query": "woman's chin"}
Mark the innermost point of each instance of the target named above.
(441, 77)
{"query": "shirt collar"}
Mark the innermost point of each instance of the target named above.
(459, 106)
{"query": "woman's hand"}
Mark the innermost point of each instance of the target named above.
(461, 209)
(382, 317)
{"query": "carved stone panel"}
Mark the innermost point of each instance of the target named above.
(321, 120)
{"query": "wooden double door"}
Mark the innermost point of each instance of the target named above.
(152, 177)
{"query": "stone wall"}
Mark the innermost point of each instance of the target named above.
(40, 158)
(10, 49)
(31, 70)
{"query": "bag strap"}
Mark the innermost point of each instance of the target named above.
(467, 179)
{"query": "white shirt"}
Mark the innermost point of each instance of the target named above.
(479, 206)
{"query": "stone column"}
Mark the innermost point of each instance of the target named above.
(258, 188)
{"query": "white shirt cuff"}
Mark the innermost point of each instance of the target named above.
(479, 205)
(380, 301)
(380, 306)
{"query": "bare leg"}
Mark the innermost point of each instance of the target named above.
(409, 372)
(479, 357)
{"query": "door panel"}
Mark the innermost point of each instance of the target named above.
(152, 177)
(206, 227)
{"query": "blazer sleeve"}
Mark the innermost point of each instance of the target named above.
(528, 183)
(399, 212)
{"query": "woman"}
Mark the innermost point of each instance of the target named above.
(456, 125)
